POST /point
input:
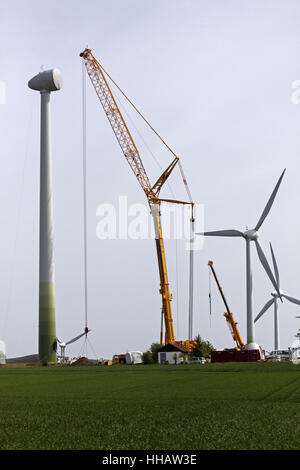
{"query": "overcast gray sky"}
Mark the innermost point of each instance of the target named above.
(215, 79)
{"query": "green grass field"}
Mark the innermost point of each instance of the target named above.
(213, 406)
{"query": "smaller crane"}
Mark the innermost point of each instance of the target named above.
(228, 315)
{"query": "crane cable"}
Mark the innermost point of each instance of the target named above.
(172, 192)
(84, 194)
(27, 146)
(151, 127)
(136, 109)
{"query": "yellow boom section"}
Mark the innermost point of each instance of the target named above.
(131, 154)
(234, 330)
(228, 315)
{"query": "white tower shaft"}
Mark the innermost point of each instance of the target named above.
(276, 326)
(250, 321)
(46, 82)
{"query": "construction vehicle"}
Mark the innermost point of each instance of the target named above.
(232, 324)
(99, 81)
(119, 359)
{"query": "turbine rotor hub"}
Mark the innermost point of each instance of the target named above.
(251, 235)
(275, 294)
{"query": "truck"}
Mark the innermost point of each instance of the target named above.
(119, 359)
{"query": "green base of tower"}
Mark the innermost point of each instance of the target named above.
(47, 325)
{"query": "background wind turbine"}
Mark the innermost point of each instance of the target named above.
(252, 235)
(274, 301)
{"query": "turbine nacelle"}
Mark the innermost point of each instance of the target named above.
(276, 295)
(251, 235)
(46, 81)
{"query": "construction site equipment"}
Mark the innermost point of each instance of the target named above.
(134, 357)
(119, 359)
(232, 324)
(98, 76)
(63, 345)
(235, 355)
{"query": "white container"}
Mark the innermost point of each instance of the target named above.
(295, 351)
(134, 357)
(2, 353)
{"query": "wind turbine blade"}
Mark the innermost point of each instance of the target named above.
(58, 341)
(264, 309)
(275, 267)
(291, 299)
(75, 339)
(222, 233)
(266, 266)
(269, 203)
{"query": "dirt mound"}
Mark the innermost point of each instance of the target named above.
(83, 361)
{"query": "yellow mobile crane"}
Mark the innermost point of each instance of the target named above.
(98, 78)
(228, 315)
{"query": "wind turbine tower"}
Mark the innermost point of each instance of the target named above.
(46, 82)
